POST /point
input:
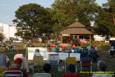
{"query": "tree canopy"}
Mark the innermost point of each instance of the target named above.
(106, 19)
(66, 11)
(32, 20)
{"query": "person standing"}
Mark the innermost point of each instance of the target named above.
(4, 60)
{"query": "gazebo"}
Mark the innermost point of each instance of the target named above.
(76, 31)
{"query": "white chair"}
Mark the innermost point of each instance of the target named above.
(13, 73)
(41, 75)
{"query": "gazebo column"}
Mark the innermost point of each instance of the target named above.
(61, 38)
(90, 37)
(73, 36)
(77, 37)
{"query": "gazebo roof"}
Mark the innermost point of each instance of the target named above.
(76, 31)
(76, 25)
(76, 28)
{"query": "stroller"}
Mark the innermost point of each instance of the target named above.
(112, 51)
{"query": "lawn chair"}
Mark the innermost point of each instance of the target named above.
(85, 64)
(13, 73)
(41, 75)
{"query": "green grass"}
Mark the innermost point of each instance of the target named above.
(1, 75)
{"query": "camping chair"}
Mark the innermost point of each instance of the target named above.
(41, 75)
(71, 60)
(85, 64)
(38, 63)
(13, 73)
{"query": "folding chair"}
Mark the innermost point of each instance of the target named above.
(86, 64)
(41, 75)
(71, 60)
(38, 63)
(13, 73)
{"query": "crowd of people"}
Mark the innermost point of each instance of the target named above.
(71, 69)
(87, 52)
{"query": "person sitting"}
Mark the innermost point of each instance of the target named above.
(37, 52)
(68, 50)
(47, 69)
(71, 72)
(17, 64)
(61, 66)
(76, 50)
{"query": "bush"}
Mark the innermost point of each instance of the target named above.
(12, 52)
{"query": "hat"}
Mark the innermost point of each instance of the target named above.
(18, 61)
(18, 56)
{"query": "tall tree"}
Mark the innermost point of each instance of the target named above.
(32, 20)
(112, 9)
(66, 11)
(106, 19)
(63, 14)
(87, 11)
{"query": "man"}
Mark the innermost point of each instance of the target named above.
(4, 60)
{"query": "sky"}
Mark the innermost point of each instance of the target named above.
(8, 7)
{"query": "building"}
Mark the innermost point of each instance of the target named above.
(7, 30)
(1, 29)
(76, 31)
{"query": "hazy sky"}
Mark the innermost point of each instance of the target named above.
(8, 7)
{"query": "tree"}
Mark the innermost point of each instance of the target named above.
(87, 11)
(112, 9)
(32, 20)
(106, 19)
(1, 37)
(66, 11)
